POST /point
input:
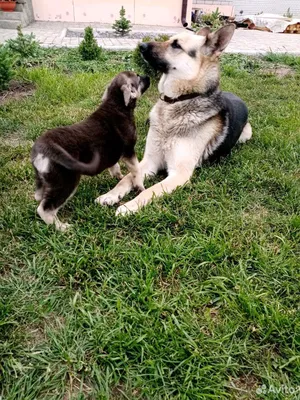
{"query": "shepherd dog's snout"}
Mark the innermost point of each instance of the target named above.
(146, 50)
(144, 47)
(153, 53)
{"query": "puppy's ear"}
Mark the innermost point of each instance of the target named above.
(217, 41)
(128, 93)
(104, 97)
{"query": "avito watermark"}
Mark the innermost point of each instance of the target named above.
(282, 389)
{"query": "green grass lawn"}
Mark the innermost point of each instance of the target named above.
(194, 297)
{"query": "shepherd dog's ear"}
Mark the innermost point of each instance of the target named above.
(129, 93)
(203, 31)
(216, 42)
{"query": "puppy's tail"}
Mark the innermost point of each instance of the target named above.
(62, 157)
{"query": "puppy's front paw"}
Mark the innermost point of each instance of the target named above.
(119, 176)
(139, 188)
(115, 171)
(108, 199)
(128, 208)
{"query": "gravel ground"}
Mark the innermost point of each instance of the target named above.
(110, 34)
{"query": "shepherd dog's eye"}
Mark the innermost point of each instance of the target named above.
(176, 45)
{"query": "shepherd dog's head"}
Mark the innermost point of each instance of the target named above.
(189, 62)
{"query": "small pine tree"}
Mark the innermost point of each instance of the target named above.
(89, 48)
(24, 46)
(122, 26)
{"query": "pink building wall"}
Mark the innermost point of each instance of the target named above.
(147, 12)
(56, 10)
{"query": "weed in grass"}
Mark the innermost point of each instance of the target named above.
(284, 59)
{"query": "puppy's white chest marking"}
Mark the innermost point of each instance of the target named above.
(41, 163)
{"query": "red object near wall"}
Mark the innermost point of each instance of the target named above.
(7, 5)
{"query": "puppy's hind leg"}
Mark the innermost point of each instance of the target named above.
(39, 187)
(115, 171)
(49, 216)
(54, 197)
(246, 133)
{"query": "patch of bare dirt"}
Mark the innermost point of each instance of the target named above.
(55, 321)
(75, 386)
(244, 387)
(119, 392)
(36, 335)
(17, 90)
(256, 213)
(281, 72)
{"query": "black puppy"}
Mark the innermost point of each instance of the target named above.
(60, 156)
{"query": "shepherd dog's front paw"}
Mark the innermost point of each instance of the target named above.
(108, 199)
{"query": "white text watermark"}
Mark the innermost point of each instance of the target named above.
(282, 389)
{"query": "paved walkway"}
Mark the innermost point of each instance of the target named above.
(53, 34)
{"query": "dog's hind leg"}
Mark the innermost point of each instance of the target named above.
(39, 187)
(54, 197)
(246, 133)
(115, 171)
(49, 216)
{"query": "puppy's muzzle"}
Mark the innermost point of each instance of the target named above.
(145, 82)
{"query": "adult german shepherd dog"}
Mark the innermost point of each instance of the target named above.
(193, 120)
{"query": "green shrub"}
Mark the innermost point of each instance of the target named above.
(6, 70)
(89, 48)
(141, 65)
(147, 39)
(162, 37)
(24, 46)
(212, 20)
(122, 26)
